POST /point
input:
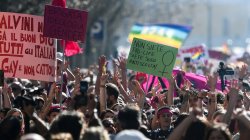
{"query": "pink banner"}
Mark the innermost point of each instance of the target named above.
(64, 23)
(24, 51)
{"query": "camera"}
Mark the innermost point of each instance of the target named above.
(222, 72)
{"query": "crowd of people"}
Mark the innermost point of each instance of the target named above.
(104, 104)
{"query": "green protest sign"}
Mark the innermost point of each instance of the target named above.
(151, 58)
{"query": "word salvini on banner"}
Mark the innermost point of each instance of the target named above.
(24, 51)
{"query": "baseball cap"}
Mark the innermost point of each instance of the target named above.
(130, 135)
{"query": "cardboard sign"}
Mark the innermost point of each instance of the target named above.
(151, 58)
(24, 52)
(64, 23)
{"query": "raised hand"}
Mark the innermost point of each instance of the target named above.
(233, 91)
(78, 75)
(243, 72)
(102, 64)
(156, 88)
(212, 81)
(122, 63)
(141, 94)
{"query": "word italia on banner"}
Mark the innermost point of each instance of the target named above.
(24, 51)
(64, 23)
(151, 58)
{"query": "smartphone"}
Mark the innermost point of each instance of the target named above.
(84, 85)
(1, 78)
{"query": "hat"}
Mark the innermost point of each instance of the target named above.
(29, 99)
(130, 135)
(32, 136)
(140, 75)
(164, 109)
(16, 86)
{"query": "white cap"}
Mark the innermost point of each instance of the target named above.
(130, 135)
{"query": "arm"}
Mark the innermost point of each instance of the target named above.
(212, 105)
(233, 97)
(185, 99)
(48, 102)
(170, 92)
(40, 124)
(185, 103)
(141, 94)
(180, 131)
(103, 94)
(122, 62)
(121, 89)
(6, 98)
(246, 100)
(154, 123)
(102, 62)
(243, 72)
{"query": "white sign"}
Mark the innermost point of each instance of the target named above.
(24, 52)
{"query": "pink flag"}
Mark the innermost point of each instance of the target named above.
(71, 48)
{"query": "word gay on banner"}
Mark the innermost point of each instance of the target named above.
(64, 23)
(24, 51)
(166, 34)
(151, 58)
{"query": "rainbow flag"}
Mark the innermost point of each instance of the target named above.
(197, 55)
(167, 34)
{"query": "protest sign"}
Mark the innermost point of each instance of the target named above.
(64, 23)
(196, 54)
(151, 58)
(24, 52)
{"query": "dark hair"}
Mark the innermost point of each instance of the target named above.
(180, 118)
(80, 100)
(220, 98)
(222, 129)
(112, 89)
(10, 128)
(103, 113)
(4, 111)
(69, 121)
(196, 131)
(24, 100)
(130, 117)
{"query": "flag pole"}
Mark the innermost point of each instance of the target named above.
(62, 70)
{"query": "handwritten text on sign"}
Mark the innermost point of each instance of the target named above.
(151, 58)
(24, 52)
(64, 23)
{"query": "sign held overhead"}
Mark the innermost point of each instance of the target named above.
(64, 23)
